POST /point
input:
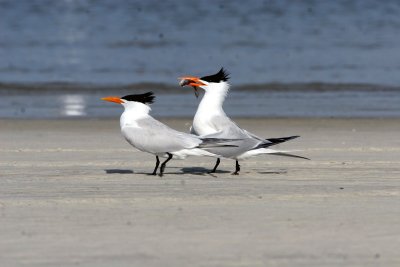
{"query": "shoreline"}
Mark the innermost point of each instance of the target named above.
(190, 118)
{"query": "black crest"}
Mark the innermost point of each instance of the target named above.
(146, 98)
(220, 76)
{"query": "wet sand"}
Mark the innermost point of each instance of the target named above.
(73, 193)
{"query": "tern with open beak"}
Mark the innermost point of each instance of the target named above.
(210, 119)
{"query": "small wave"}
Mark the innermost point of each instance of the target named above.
(62, 87)
(316, 86)
(141, 44)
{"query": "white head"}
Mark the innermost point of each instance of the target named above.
(216, 83)
(135, 103)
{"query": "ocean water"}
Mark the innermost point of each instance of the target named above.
(383, 103)
(261, 43)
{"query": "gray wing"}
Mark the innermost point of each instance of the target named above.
(234, 148)
(224, 127)
(155, 137)
(254, 136)
(227, 127)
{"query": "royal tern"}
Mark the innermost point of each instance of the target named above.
(149, 135)
(210, 119)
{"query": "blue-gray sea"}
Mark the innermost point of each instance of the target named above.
(286, 58)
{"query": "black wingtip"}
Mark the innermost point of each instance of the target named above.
(282, 139)
(275, 141)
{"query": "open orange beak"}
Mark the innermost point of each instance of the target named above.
(191, 81)
(114, 99)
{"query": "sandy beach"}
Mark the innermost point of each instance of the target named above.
(73, 193)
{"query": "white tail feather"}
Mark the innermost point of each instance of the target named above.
(269, 151)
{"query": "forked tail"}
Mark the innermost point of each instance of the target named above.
(269, 151)
(285, 154)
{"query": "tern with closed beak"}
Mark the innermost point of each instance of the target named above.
(149, 135)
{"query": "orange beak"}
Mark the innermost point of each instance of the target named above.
(191, 81)
(114, 99)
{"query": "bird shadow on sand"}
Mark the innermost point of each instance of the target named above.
(187, 170)
(118, 171)
(199, 171)
(273, 172)
(170, 170)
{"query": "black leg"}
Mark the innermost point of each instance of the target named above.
(237, 169)
(216, 166)
(157, 163)
(164, 163)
